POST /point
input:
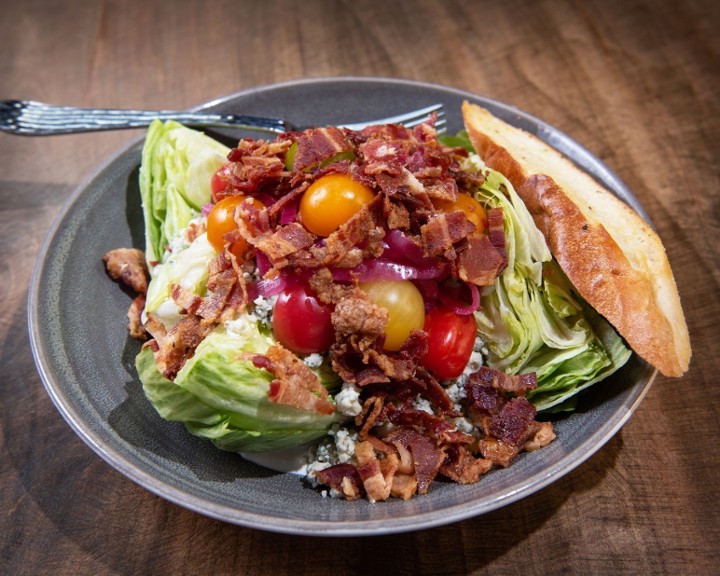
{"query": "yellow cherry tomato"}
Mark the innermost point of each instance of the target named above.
(473, 210)
(221, 221)
(405, 306)
(331, 201)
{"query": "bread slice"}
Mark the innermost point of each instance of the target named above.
(610, 254)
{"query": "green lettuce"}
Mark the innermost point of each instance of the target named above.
(224, 399)
(187, 267)
(177, 166)
(532, 320)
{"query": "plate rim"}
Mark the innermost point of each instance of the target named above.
(144, 478)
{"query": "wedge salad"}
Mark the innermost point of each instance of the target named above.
(377, 301)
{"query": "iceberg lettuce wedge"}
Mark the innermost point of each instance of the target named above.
(224, 399)
(531, 319)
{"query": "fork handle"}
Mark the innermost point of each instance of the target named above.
(30, 118)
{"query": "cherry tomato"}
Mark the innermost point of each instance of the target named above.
(220, 182)
(221, 221)
(474, 211)
(451, 339)
(301, 322)
(405, 306)
(331, 201)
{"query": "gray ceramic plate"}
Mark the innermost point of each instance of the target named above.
(77, 327)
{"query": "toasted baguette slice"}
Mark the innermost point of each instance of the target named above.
(610, 254)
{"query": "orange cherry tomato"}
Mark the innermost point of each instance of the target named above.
(221, 221)
(473, 210)
(331, 201)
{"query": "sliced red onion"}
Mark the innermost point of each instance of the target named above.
(265, 198)
(375, 270)
(289, 213)
(458, 306)
(262, 262)
(206, 208)
(272, 286)
(400, 247)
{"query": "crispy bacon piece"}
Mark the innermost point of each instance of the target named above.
(462, 467)
(327, 290)
(508, 423)
(127, 265)
(430, 425)
(256, 164)
(480, 263)
(371, 365)
(361, 228)
(496, 233)
(404, 486)
(482, 399)
(134, 314)
(499, 452)
(371, 410)
(382, 156)
(423, 383)
(515, 423)
(344, 478)
(376, 474)
(173, 348)
(187, 300)
(359, 322)
(544, 435)
(294, 384)
(443, 231)
(286, 240)
(316, 145)
(428, 456)
(518, 384)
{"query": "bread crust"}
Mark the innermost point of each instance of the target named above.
(612, 256)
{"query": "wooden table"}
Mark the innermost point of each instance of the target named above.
(637, 82)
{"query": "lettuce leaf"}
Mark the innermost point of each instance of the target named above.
(188, 268)
(175, 173)
(532, 320)
(224, 399)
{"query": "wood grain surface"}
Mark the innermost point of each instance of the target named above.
(637, 82)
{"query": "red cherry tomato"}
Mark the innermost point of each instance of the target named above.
(220, 182)
(301, 322)
(451, 339)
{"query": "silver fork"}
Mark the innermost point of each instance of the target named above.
(30, 118)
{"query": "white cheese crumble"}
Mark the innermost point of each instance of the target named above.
(348, 400)
(314, 360)
(420, 403)
(181, 240)
(245, 325)
(336, 448)
(456, 393)
(263, 309)
(477, 358)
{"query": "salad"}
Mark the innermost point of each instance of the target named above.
(378, 301)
